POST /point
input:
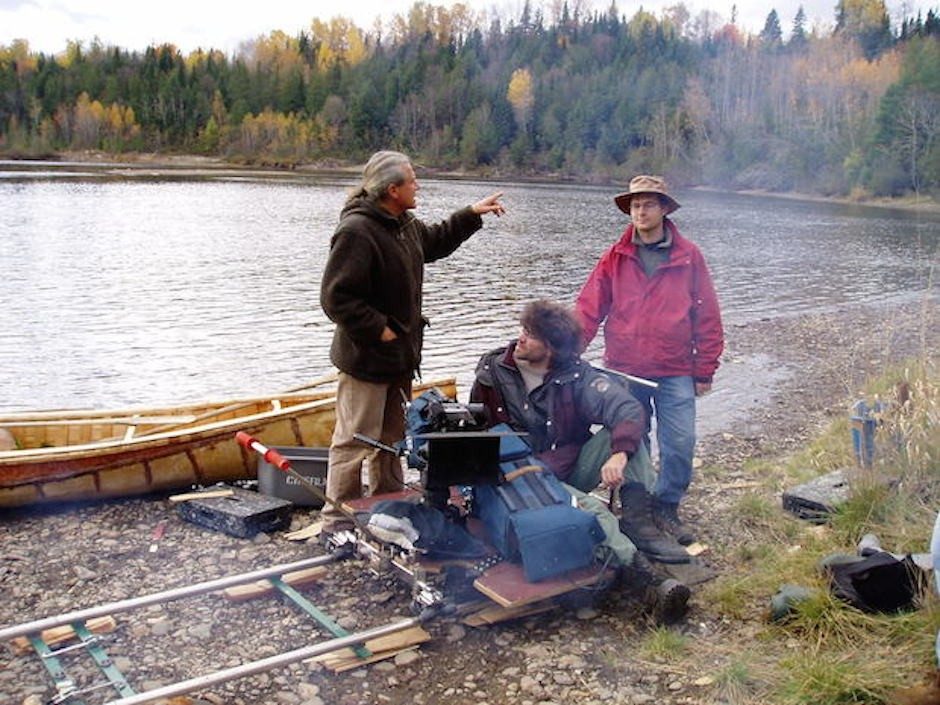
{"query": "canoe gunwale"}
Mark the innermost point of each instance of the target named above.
(92, 415)
(156, 439)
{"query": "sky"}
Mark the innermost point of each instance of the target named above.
(191, 24)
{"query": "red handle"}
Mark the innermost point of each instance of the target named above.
(277, 460)
(244, 440)
(269, 454)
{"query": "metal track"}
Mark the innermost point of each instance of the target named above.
(165, 596)
(266, 664)
(69, 694)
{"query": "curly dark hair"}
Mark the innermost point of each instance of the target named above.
(556, 326)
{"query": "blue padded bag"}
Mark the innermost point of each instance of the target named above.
(531, 519)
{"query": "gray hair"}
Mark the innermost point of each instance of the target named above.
(384, 169)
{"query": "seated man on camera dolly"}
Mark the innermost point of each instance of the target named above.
(537, 389)
(539, 385)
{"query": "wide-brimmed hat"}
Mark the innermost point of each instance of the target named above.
(647, 184)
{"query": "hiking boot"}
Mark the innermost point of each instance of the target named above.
(636, 522)
(666, 599)
(666, 517)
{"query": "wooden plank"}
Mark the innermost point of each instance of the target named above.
(240, 593)
(494, 614)
(308, 532)
(186, 496)
(382, 648)
(57, 635)
(506, 585)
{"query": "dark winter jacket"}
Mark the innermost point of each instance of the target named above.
(373, 278)
(559, 413)
(664, 325)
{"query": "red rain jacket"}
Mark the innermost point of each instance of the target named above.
(665, 325)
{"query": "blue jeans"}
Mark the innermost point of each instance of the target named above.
(935, 550)
(673, 402)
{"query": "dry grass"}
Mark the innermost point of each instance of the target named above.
(826, 652)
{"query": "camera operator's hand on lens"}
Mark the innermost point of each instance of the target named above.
(612, 470)
(490, 204)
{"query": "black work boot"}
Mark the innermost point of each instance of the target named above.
(636, 522)
(666, 599)
(666, 516)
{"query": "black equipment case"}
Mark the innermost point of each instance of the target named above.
(242, 514)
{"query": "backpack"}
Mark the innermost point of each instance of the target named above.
(880, 582)
(531, 518)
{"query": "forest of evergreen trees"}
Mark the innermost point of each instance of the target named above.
(850, 110)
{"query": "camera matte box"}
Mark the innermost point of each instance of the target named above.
(461, 458)
(243, 514)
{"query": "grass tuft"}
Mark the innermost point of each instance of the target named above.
(664, 644)
(738, 683)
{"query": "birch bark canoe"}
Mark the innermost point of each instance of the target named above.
(88, 455)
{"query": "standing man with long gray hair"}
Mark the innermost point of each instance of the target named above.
(372, 290)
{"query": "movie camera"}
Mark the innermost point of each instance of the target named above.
(448, 443)
(447, 416)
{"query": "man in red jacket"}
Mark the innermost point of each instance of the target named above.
(653, 292)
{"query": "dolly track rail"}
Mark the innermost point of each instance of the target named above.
(67, 690)
(39, 625)
(266, 664)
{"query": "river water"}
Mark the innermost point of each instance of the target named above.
(121, 286)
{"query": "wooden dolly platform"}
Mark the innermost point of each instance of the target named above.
(503, 583)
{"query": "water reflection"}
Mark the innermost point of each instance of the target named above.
(124, 291)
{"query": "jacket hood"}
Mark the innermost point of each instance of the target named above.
(364, 206)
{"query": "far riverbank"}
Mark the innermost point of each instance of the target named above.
(161, 163)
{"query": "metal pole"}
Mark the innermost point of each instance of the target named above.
(632, 378)
(165, 596)
(266, 664)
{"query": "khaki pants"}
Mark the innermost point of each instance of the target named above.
(374, 410)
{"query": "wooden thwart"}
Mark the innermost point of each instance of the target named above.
(382, 648)
(237, 406)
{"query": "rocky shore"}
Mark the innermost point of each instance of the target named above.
(56, 560)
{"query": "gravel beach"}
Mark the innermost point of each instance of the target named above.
(55, 560)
